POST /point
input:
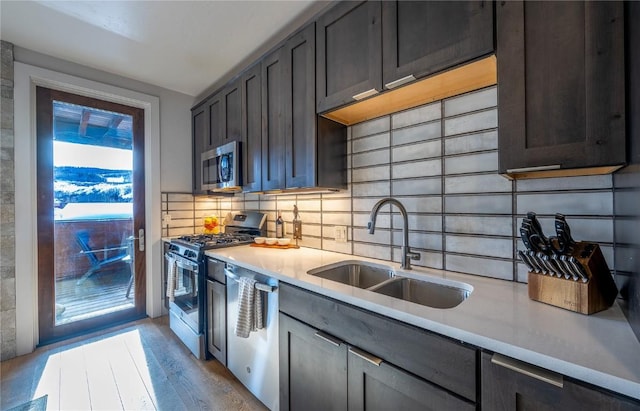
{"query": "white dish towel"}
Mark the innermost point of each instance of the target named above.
(250, 308)
(171, 277)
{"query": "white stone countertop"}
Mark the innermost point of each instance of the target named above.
(600, 349)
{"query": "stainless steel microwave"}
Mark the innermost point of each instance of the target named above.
(220, 168)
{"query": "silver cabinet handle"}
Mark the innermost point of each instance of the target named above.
(328, 338)
(365, 356)
(400, 81)
(530, 169)
(365, 94)
(528, 369)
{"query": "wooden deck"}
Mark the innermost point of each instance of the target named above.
(102, 293)
(139, 366)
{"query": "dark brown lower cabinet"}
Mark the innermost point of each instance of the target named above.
(375, 385)
(313, 368)
(217, 320)
(509, 384)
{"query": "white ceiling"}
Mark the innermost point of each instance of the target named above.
(186, 46)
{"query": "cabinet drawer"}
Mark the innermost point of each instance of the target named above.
(447, 363)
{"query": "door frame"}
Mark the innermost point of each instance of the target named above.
(26, 79)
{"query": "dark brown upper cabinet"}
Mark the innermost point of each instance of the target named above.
(273, 136)
(200, 133)
(232, 113)
(420, 38)
(299, 149)
(251, 87)
(349, 54)
(561, 91)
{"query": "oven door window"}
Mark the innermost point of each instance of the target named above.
(186, 295)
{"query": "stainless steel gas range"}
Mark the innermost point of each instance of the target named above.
(186, 276)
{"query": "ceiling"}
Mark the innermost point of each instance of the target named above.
(185, 46)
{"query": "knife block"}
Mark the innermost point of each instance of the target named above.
(597, 294)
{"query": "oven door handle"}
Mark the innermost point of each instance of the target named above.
(181, 263)
(259, 286)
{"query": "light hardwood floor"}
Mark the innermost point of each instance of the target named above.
(139, 366)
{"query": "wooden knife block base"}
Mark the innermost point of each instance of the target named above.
(595, 295)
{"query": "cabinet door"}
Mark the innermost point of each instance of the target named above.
(561, 76)
(300, 113)
(232, 121)
(349, 53)
(273, 136)
(536, 389)
(200, 134)
(215, 115)
(252, 130)
(377, 385)
(313, 368)
(217, 320)
(422, 37)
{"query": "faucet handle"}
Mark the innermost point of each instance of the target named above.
(413, 255)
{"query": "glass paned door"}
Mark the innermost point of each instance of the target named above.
(90, 214)
(93, 211)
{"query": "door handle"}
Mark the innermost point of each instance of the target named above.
(365, 356)
(549, 377)
(140, 239)
(365, 94)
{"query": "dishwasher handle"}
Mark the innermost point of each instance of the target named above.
(259, 286)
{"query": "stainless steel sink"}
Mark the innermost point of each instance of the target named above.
(431, 294)
(355, 273)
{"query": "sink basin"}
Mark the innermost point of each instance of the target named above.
(427, 293)
(359, 274)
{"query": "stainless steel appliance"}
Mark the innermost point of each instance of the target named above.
(220, 168)
(186, 276)
(254, 360)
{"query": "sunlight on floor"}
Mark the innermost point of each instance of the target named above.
(108, 374)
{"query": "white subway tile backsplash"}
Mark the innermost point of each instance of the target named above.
(478, 204)
(336, 219)
(374, 142)
(371, 158)
(364, 204)
(419, 240)
(477, 100)
(484, 183)
(483, 225)
(421, 114)
(377, 189)
(332, 245)
(485, 267)
(173, 197)
(180, 206)
(422, 186)
(469, 143)
(336, 204)
(419, 222)
(431, 204)
(380, 236)
(475, 163)
(372, 251)
(482, 246)
(416, 151)
(370, 127)
(417, 169)
(576, 203)
(470, 123)
(371, 174)
(428, 131)
(383, 220)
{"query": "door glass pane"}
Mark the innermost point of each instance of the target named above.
(93, 212)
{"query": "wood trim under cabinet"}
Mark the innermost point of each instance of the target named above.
(472, 76)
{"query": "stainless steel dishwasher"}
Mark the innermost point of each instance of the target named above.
(254, 360)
